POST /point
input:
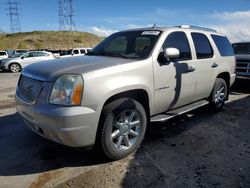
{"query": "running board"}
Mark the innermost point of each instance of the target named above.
(182, 110)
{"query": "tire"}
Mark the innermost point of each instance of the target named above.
(219, 94)
(14, 67)
(123, 126)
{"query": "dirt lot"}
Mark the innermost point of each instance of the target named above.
(199, 149)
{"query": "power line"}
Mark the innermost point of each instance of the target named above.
(13, 11)
(66, 15)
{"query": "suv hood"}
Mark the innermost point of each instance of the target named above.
(50, 70)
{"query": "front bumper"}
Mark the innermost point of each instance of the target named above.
(71, 126)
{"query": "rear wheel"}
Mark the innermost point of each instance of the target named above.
(123, 128)
(219, 94)
(14, 67)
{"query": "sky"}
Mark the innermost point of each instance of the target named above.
(231, 17)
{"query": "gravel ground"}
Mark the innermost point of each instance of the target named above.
(199, 149)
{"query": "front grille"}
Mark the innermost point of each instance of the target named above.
(243, 67)
(29, 89)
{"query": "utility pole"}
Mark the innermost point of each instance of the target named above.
(66, 15)
(13, 11)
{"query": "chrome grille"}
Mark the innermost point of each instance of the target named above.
(243, 68)
(29, 89)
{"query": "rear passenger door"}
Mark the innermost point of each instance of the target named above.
(205, 65)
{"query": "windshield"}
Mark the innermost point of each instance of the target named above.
(129, 44)
(241, 48)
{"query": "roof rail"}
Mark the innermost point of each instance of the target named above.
(197, 27)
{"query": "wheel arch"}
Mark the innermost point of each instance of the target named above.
(139, 95)
(225, 76)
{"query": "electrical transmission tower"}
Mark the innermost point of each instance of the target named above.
(13, 11)
(66, 15)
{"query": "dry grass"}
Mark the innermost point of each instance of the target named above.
(48, 40)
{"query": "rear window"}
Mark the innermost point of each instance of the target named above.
(223, 45)
(241, 48)
(202, 46)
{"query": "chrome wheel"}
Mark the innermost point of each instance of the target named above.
(14, 68)
(126, 129)
(219, 97)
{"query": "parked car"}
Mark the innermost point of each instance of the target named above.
(18, 53)
(18, 63)
(242, 51)
(109, 96)
(76, 52)
(3, 55)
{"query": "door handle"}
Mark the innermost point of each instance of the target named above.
(190, 69)
(214, 65)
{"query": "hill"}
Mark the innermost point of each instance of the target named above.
(54, 40)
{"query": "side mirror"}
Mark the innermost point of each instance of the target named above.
(168, 55)
(172, 53)
(22, 57)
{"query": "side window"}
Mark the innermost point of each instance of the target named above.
(82, 51)
(75, 52)
(202, 46)
(179, 40)
(223, 45)
(40, 54)
(31, 54)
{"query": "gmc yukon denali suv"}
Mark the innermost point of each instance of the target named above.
(108, 97)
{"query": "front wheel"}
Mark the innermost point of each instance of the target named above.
(14, 67)
(123, 128)
(218, 96)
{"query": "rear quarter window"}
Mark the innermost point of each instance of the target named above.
(223, 45)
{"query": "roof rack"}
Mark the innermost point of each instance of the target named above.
(197, 27)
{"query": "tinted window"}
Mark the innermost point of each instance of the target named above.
(75, 52)
(178, 40)
(39, 54)
(223, 45)
(202, 46)
(3, 53)
(241, 48)
(82, 51)
(30, 54)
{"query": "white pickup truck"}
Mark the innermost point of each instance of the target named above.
(76, 52)
(3, 55)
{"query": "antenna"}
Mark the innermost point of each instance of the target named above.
(13, 11)
(66, 15)
(154, 26)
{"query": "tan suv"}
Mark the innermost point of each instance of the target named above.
(132, 78)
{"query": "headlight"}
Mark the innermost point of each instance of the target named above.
(67, 90)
